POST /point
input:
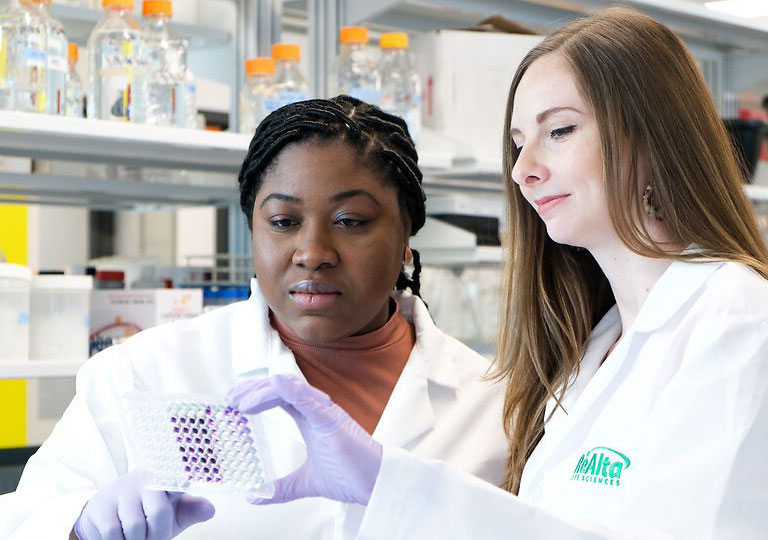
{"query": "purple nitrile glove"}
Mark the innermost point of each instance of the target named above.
(343, 460)
(124, 510)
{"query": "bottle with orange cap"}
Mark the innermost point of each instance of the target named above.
(29, 62)
(112, 59)
(288, 85)
(154, 84)
(354, 71)
(400, 86)
(75, 95)
(258, 87)
(56, 58)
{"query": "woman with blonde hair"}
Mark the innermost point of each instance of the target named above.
(634, 336)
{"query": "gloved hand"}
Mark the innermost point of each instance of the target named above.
(124, 510)
(343, 460)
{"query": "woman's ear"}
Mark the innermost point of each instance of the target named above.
(408, 255)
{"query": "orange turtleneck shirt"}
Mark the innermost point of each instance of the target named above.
(357, 372)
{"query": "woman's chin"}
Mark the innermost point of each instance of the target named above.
(560, 236)
(320, 331)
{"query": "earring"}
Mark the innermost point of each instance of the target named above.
(408, 255)
(650, 205)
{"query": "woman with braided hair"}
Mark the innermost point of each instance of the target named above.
(331, 190)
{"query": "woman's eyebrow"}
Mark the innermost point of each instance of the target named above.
(353, 193)
(543, 115)
(280, 197)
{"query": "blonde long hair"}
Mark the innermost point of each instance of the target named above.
(652, 108)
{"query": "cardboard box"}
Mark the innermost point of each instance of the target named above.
(466, 76)
(118, 314)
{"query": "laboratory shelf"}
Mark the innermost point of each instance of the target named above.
(78, 139)
(467, 169)
(434, 184)
(85, 140)
(692, 21)
(461, 257)
(79, 21)
(131, 145)
(104, 194)
(38, 369)
(490, 205)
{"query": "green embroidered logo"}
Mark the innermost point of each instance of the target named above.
(601, 465)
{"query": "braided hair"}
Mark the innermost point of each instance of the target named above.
(380, 139)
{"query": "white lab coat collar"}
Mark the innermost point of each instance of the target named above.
(433, 361)
(258, 350)
(672, 292)
(439, 355)
(603, 336)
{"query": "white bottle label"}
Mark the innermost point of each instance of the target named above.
(115, 81)
(34, 57)
(57, 63)
(33, 51)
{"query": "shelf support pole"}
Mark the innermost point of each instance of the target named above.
(259, 25)
(326, 17)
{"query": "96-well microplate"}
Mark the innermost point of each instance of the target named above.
(186, 443)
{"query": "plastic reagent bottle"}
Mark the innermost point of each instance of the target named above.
(185, 104)
(11, 14)
(111, 54)
(400, 86)
(154, 83)
(29, 61)
(355, 71)
(56, 53)
(258, 87)
(289, 84)
(75, 93)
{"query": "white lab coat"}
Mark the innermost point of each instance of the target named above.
(441, 407)
(676, 419)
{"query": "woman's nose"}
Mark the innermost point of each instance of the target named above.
(315, 249)
(528, 168)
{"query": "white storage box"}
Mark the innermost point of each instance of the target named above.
(465, 76)
(60, 317)
(14, 312)
(118, 314)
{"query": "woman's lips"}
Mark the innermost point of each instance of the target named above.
(545, 204)
(314, 300)
(313, 294)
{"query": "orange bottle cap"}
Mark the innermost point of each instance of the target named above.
(154, 7)
(120, 3)
(286, 51)
(259, 66)
(353, 34)
(394, 40)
